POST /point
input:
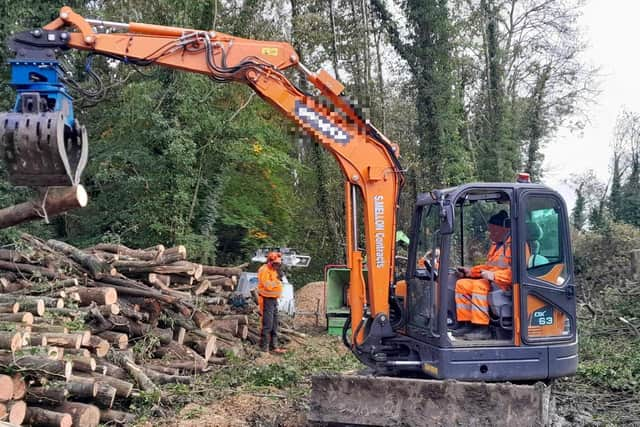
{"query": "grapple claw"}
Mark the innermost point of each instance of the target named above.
(41, 150)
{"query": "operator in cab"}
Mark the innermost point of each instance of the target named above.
(472, 289)
(269, 290)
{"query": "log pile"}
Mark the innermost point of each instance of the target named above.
(85, 330)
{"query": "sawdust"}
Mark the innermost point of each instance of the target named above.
(243, 410)
(309, 300)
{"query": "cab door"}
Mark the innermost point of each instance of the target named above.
(547, 289)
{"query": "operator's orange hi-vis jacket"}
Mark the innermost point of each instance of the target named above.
(499, 262)
(269, 284)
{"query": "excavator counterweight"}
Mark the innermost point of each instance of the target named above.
(369, 400)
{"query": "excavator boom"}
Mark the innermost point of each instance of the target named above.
(369, 161)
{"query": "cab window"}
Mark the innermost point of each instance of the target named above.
(544, 230)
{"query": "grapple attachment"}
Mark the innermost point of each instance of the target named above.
(40, 149)
(41, 143)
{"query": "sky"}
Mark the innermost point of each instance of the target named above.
(612, 30)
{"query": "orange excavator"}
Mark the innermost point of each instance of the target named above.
(399, 327)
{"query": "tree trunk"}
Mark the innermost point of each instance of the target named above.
(56, 201)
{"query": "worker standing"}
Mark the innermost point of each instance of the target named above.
(269, 290)
(472, 291)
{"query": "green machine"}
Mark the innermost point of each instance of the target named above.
(336, 279)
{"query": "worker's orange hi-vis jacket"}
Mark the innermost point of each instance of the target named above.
(269, 284)
(499, 262)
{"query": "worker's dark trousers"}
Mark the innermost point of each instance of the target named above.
(269, 324)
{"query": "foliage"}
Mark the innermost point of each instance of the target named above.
(608, 327)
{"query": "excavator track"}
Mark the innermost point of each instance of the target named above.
(41, 150)
(366, 400)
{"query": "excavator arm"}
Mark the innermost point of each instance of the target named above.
(373, 176)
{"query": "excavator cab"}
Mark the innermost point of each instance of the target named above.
(41, 142)
(532, 324)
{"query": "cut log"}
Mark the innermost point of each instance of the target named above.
(162, 369)
(105, 395)
(55, 201)
(19, 387)
(161, 378)
(206, 347)
(49, 395)
(29, 269)
(111, 416)
(202, 319)
(17, 411)
(179, 334)
(221, 271)
(10, 341)
(123, 388)
(41, 417)
(83, 415)
(9, 307)
(243, 332)
(228, 325)
(55, 329)
(98, 346)
(203, 286)
(116, 339)
(188, 358)
(6, 388)
(126, 360)
(33, 306)
(180, 267)
(111, 370)
(165, 336)
(3, 411)
(137, 267)
(80, 352)
(59, 340)
(81, 387)
(83, 364)
(18, 317)
(105, 310)
(141, 254)
(94, 265)
(41, 365)
(101, 296)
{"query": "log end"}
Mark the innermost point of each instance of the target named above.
(18, 412)
(6, 387)
(81, 196)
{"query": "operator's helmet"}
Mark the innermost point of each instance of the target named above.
(274, 257)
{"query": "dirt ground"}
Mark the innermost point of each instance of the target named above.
(244, 405)
(256, 391)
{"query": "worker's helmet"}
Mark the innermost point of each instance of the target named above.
(274, 257)
(501, 219)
